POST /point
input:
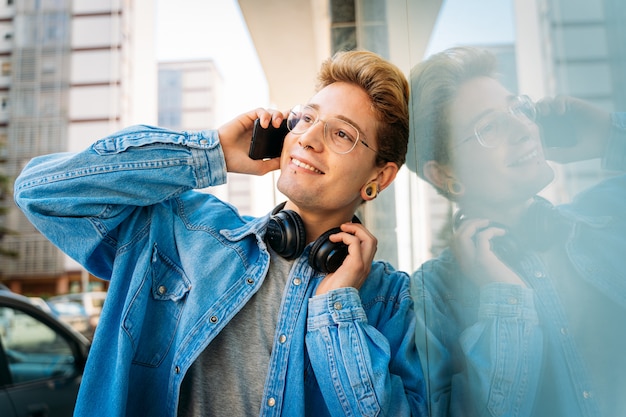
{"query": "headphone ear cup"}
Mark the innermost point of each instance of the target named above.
(327, 256)
(285, 234)
(506, 247)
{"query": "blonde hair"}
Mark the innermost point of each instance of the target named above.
(388, 89)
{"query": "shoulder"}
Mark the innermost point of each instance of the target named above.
(198, 210)
(385, 283)
(606, 198)
(437, 268)
(439, 278)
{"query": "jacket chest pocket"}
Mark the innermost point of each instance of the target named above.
(154, 313)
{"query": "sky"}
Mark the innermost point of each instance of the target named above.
(473, 22)
(214, 29)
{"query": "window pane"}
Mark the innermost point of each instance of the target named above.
(34, 350)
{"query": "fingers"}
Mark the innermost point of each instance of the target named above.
(235, 139)
(464, 238)
(356, 235)
(479, 234)
(356, 267)
(267, 117)
(362, 245)
(585, 127)
(552, 105)
(472, 242)
(472, 246)
(242, 124)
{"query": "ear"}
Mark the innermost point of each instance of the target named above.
(384, 176)
(437, 174)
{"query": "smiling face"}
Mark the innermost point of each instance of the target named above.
(511, 171)
(315, 178)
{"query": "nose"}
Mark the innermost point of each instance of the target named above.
(313, 137)
(518, 129)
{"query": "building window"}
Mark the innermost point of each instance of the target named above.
(6, 69)
(343, 25)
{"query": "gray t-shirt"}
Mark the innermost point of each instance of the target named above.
(228, 377)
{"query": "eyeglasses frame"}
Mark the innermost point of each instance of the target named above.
(510, 110)
(325, 122)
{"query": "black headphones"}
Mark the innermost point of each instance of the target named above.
(286, 235)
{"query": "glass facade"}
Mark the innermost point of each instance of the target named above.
(518, 285)
(518, 303)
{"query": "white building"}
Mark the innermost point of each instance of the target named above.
(72, 72)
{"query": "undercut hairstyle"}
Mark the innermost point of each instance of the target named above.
(388, 90)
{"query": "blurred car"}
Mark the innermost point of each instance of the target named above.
(41, 360)
(73, 314)
(39, 302)
(91, 302)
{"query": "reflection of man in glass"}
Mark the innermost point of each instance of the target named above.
(524, 314)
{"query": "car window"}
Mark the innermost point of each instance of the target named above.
(33, 350)
(68, 307)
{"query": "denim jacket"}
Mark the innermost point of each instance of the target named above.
(182, 263)
(505, 350)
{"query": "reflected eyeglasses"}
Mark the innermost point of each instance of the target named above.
(490, 129)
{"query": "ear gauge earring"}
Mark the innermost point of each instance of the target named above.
(454, 187)
(371, 190)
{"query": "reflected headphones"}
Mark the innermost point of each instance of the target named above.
(286, 236)
(540, 228)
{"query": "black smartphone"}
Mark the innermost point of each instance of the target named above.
(557, 131)
(267, 142)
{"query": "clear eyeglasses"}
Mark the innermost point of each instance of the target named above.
(340, 136)
(490, 130)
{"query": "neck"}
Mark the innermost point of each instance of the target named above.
(317, 221)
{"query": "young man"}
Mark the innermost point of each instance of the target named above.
(523, 314)
(208, 315)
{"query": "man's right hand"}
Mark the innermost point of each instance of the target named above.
(235, 137)
(589, 124)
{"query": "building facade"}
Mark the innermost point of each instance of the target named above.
(72, 71)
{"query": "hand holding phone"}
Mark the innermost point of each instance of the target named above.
(267, 143)
(557, 131)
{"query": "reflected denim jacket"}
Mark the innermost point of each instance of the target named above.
(182, 263)
(484, 349)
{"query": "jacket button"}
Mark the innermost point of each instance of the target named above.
(162, 289)
(271, 402)
(282, 339)
(337, 306)
(250, 281)
(213, 319)
(297, 281)
(177, 369)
